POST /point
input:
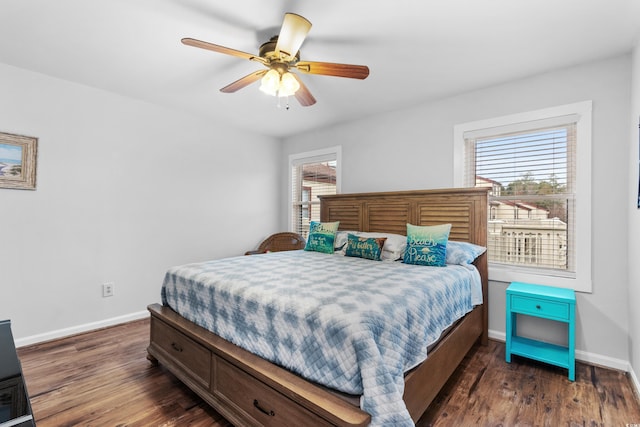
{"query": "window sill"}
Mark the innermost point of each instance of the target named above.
(508, 274)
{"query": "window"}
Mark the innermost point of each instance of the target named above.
(532, 196)
(305, 193)
(311, 174)
(537, 167)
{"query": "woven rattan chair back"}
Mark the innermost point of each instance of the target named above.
(285, 241)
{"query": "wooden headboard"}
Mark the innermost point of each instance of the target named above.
(465, 209)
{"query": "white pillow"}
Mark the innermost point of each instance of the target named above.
(463, 252)
(340, 242)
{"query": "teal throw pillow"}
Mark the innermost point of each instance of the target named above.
(363, 247)
(427, 245)
(321, 236)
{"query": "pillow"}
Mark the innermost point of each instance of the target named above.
(365, 247)
(321, 236)
(463, 252)
(393, 248)
(340, 242)
(427, 245)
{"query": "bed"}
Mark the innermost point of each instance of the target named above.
(250, 390)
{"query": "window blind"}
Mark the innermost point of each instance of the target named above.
(532, 176)
(311, 177)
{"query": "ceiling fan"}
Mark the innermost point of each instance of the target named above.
(280, 55)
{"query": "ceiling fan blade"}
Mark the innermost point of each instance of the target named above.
(332, 69)
(244, 81)
(303, 95)
(220, 49)
(293, 32)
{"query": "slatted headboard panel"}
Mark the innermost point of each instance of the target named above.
(350, 214)
(459, 215)
(465, 208)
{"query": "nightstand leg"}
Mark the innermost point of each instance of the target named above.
(510, 332)
(572, 344)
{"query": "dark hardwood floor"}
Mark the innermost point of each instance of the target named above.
(487, 391)
(103, 378)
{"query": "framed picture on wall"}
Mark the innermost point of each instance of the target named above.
(18, 156)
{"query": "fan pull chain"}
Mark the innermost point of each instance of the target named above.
(286, 107)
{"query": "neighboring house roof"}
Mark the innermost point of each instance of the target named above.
(521, 205)
(487, 180)
(319, 172)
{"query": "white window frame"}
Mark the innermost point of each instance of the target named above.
(582, 280)
(321, 155)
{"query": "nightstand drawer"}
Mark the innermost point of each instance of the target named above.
(539, 307)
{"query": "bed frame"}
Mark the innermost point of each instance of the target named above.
(250, 391)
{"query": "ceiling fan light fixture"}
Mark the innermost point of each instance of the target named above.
(288, 85)
(275, 84)
(270, 82)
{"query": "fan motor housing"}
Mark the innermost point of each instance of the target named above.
(268, 51)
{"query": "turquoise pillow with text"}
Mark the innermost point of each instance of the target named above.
(427, 245)
(321, 236)
(365, 247)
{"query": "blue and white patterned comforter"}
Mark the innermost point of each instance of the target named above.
(350, 324)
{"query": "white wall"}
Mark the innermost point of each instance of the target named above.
(125, 190)
(634, 219)
(412, 149)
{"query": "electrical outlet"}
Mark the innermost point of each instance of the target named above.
(107, 289)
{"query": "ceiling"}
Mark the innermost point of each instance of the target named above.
(416, 51)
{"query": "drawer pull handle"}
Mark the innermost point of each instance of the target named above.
(176, 347)
(538, 306)
(261, 409)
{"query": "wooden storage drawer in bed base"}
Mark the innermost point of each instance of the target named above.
(191, 357)
(259, 402)
(245, 389)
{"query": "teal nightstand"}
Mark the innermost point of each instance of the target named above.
(548, 303)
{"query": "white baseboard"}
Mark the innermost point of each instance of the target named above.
(61, 333)
(634, 381)
(600, 360)
(498, 336)
(583, 356)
